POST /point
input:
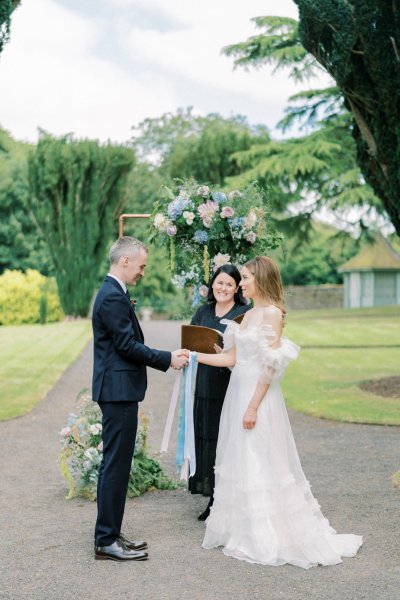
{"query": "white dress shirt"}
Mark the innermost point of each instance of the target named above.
(121, 283)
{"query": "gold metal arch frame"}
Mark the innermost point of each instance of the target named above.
(123, 217)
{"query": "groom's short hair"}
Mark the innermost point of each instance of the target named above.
(125, 246)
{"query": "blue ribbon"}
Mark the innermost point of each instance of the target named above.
(185, 449)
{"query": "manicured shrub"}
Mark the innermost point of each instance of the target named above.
(28, 298)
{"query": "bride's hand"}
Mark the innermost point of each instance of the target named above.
(250, 418)
(217, 349)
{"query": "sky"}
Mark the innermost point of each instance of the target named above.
(96, 68)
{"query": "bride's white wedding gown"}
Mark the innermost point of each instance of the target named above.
(264, 511)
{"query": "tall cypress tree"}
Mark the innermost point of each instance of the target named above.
(76, 193)
(358, 43)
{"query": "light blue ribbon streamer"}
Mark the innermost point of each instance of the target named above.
(186, 451)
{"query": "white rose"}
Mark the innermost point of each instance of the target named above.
(221, 259)
(203, 190)
(188, 216)
(161, 222)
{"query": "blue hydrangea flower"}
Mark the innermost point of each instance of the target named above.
(219, 197)
(72, 419)
(176, 207)
(201, 237)
(236, 222)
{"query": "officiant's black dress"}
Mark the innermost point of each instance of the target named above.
(211, 386)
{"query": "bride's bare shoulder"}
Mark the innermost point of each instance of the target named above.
(273, 316)
(272, 309)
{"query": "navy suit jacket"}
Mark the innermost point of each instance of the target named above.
(120, 355)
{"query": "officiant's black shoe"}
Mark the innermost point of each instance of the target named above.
(118, 551)
(132, 545)
(204, 515)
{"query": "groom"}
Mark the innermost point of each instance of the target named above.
(119, 383)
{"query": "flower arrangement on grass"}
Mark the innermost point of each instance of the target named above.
(203, 227)
(82, 450)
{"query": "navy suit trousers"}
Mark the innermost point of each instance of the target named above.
(120, 420)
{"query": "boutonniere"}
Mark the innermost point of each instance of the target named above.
(133, 302)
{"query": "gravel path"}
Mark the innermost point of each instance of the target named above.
(46, 541)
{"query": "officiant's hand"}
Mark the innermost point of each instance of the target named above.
(217, 349)
(179, 359)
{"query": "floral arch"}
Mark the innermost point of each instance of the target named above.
(203, 227)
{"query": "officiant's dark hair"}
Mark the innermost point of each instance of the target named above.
(233, 272)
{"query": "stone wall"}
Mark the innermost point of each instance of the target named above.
(308, 297)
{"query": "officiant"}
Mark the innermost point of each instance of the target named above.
(224, 301)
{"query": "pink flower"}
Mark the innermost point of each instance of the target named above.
(207, 210)
(251, 237)
(207, 222)
(100, 446)
(171, 230)
(65, 432)
(203, 291)
(227, 212)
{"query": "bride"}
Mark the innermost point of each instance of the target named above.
(264, 511)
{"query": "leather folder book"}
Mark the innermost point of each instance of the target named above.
(202, 339)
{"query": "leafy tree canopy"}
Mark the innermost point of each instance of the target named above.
(358, 43)
(21, 245)
(318, 169)
(77, 191)
(183, 145)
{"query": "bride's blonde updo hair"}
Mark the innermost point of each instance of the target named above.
(268, 280)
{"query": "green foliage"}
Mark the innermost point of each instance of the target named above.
(186, 146)
(21, 245)
(357, 42)
(316, 262)
(82, 449)
(77, 190)
(318, 169)
(28, 298)
(6, 8)
(209, 154)
(277, 45)
(147, 473)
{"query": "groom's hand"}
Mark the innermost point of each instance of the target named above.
(179, 359)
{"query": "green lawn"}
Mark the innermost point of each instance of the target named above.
(341, 349)
(32, 358)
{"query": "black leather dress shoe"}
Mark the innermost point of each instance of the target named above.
(204, 515)
(118, 551)
(134, 545)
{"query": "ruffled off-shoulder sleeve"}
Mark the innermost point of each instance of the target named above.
(274, 360)
(229, 334)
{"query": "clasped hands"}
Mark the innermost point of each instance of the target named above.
(179, 359)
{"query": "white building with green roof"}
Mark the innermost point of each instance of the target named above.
(372, 277)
